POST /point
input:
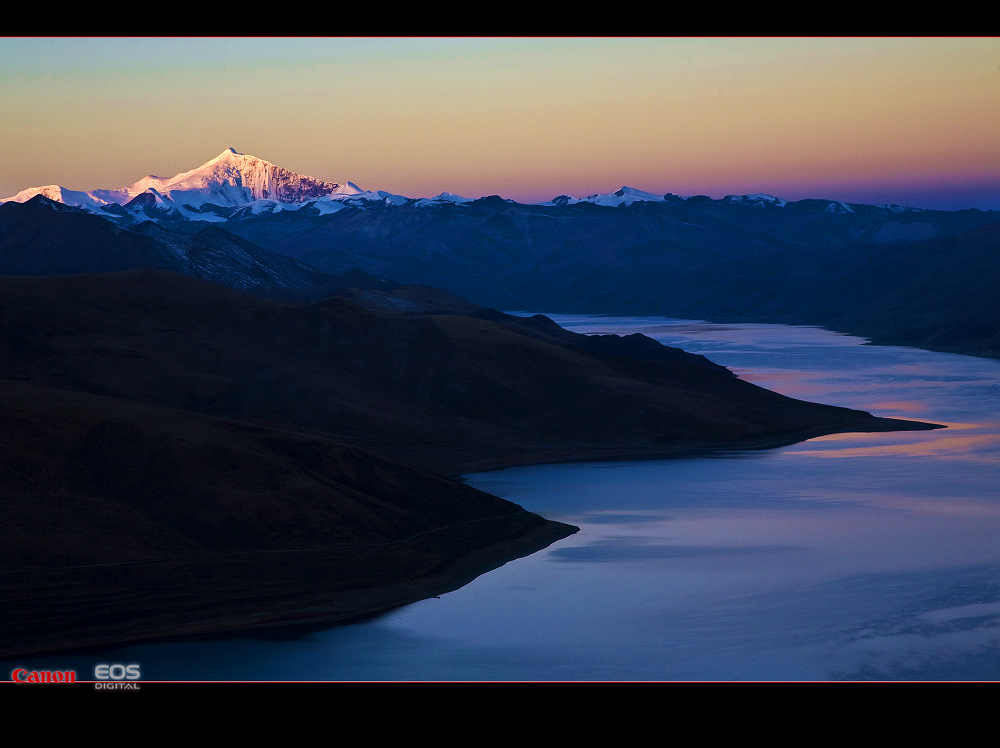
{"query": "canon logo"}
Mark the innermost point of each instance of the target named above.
(23, 675)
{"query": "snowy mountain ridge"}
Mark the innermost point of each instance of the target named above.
(229, 180)
(235, 184)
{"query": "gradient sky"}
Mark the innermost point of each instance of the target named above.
(910, 121)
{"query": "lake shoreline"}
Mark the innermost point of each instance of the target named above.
(585, 454)
(325, 609)
(307, 607)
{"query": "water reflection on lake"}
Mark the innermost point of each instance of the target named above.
(849, 556)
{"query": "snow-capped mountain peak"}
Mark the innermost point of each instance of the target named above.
(228, 180)
(625, 196)
(233, 178)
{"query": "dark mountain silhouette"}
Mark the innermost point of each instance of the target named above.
(936, 293)
(415, 373)
(43, 237)
(897, 275)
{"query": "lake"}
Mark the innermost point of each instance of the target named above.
(853, 556)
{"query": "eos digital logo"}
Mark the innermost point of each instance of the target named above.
(116, 677)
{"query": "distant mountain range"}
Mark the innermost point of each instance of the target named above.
(232, 182)
(892, 273)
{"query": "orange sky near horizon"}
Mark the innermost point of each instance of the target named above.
(912, 121)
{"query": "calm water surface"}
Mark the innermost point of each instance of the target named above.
(858, 556)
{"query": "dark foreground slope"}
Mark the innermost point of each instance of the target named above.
(179, 457)
(125, 522)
